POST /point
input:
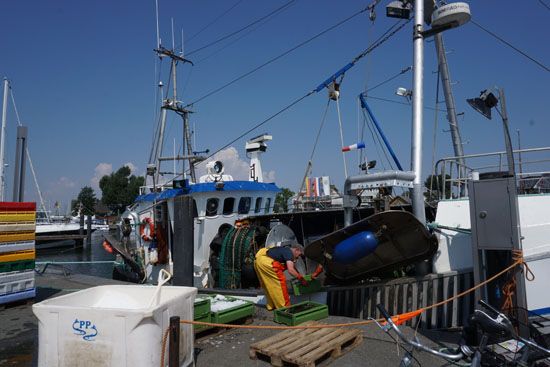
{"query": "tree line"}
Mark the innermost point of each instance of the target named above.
(118, 190)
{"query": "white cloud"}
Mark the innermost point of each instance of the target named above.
(100, 170)
(234, 166)
(133, 167)
(65, 182)
(269, 176)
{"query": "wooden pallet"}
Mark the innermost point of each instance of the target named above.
(306, 347)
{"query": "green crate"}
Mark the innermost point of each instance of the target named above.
(313, 286)
(235, 313)
(201, 307)
(21, 265)
(203, 318)
(300, 313)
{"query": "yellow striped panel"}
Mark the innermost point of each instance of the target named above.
(17, 256)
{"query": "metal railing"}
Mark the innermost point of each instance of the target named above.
(532, 172)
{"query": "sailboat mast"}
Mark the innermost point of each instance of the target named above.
(3, 138)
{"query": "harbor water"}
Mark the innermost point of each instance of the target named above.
(93, 257)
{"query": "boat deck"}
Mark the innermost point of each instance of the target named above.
(19, 334)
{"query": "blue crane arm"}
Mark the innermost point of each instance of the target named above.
(367, 108)
(327, 82)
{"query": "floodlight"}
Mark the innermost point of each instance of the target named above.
(403, 92)
(214, 168)
(151, 169)
(399, 9)
(484, 103)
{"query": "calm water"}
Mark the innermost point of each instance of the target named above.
(92, 252)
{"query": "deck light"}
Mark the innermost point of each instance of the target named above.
(484, 103)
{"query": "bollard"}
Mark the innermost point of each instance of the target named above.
(89, 231)
(174, 343)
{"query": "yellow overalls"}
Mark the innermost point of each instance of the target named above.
(272, 279)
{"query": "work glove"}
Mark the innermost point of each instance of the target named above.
(317, 271)
(302, 280)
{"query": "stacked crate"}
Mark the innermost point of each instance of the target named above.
(17, 253)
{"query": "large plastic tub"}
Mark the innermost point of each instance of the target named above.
(113, 325)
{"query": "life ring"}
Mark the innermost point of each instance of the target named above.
(147, 229)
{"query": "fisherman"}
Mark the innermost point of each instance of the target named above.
(270, 265)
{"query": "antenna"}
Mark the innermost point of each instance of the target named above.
(173, 45)
(182, 43)
(157, 16)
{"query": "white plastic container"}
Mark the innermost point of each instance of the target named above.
(113, 325)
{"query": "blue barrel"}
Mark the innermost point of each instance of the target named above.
(355, 247)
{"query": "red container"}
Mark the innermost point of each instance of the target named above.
(17, 207)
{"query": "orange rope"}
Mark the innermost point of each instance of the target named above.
(518, 261)
(163, 351)
(510, 287)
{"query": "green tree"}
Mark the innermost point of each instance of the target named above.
(281, 200)
(120, 188)
(88, 200)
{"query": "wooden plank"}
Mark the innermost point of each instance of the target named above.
(362, 304)
(378, 298)
(281, 336)
(435, 288)
(446, 306)
(414, 299)
(424, 303)
(454, 320)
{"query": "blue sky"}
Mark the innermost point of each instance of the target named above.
(83, 77)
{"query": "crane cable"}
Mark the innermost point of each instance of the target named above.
(309, 163)
(276, 58)
(282, 7)
(381, 40)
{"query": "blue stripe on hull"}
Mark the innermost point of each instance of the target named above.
(539, 311)
(210, 187)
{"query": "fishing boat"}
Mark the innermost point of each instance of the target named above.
(226, 235)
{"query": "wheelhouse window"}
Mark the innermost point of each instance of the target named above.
(258, 206)
(244, 205)
(228, 206)
(212, 207)
(267, 205)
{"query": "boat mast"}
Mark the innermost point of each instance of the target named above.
(449, 101)
(416, 144)
(174, 105)
(2, 138)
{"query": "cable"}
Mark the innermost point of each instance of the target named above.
(408, 68)
(237, 39)
(377, 142)
(242, 29)
(510, 45)
(397, 102)
(214, 21)
(276, 58)
(544, 4)
(261, 123)
(385, 36)
(314, 146)
(434, 146)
